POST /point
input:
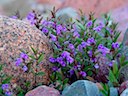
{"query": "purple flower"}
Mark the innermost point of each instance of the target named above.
(76, 34)
(111, 63)
(5, 86)
(45, 30)
(25, 68)
(115, 45)
(84, 44)
(64, 29)
(96, 66)
(31, 16)
(110, 30)
(58, 31)
(18, 61)
(90, 53)
(24, 56)
(59, 59)
(80, 48)
(65, 54)
(59, 27)
(53, 37)
(71, 71)
(83, 74)
(62, 63)
(52, 60)
(104, 50)
(8, 93)
(14, 17)
(98, 28)
(91, 40)
(89, 24)
(45, 23)
(71, 46)
(70, 59)
(54, 68)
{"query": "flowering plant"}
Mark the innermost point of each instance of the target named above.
(82, 49)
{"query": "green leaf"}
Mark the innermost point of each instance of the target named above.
(115, 68)
(81, 26)
(66, 81)
(116, 37)
(79, 40)
(124, 63)
(31, 56)
(34, 51)
(1, 67)
(40, 74)
(7, 80)
(111, 77)
(41, 58)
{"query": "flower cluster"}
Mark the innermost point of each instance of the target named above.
(6, 88)
(21, 61)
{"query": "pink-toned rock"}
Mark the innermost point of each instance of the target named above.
(16, 35)
(43, 91)
(97, 6)
(123, 86)
(120, 15)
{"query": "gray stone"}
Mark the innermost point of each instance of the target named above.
(124, 93)
(81, 88)
(113, 91)
(10, 7)
(66, 13)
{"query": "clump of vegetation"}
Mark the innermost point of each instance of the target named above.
(82, 49)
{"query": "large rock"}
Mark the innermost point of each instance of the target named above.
(123, 86)
(97, 6)
(125, 93)
(81, 88)
(117, 15)
(123, 73)
(43, 91)
(16, 35)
